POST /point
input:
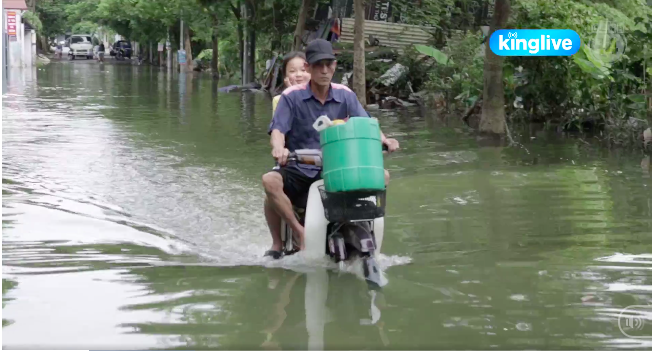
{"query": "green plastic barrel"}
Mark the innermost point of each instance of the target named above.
(352, 158)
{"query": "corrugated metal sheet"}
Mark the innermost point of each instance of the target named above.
(389, 34)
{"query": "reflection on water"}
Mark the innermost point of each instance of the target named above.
(132, 218)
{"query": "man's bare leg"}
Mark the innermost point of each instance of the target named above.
(274, 223)
(280, 203)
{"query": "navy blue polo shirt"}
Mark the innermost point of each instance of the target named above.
(298, 109)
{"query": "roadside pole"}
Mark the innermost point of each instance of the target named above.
(168, 54)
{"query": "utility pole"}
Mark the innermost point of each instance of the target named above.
(169, 53)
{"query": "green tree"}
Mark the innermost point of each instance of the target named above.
(53, 18)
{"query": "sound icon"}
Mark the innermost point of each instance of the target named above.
(633, 320)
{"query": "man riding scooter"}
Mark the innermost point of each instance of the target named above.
(292, 129)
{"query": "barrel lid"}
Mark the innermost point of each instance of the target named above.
(355, 128)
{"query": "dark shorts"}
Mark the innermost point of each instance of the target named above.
(296, 185)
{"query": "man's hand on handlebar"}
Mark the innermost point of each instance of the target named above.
(281, 155)
(392, 144)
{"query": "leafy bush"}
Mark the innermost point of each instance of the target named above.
(461, 79)
(597, 87)
(34, 20)
(606, 85)
(205, 55)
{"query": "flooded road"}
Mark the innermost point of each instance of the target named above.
(132, 218)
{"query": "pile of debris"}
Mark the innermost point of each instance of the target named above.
(384, 92)
(388, 83)
(271, 81)
(392, 78)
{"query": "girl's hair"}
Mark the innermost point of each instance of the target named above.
(287, 58)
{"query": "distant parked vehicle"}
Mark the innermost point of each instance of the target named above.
(80, 45)
(121, 49)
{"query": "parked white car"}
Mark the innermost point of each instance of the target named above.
(80, 45)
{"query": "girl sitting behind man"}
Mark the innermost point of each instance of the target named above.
(294, 72)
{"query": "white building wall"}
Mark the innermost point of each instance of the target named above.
(4, 55)
(33, 53)
(28, 60)
(15, 48)
(22, 51)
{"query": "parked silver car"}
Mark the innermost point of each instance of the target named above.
(80, 45)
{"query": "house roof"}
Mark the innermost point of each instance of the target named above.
(14, 5)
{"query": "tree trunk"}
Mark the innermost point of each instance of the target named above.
(173, 50)
(493, 116)
(243, 62)
(301, 24)
(251, 51)
(173, 54)
(249, 44)
(241, 49)
(214, 57)
(237, 11)
(188, 48)
(359, 52)
(42, 44)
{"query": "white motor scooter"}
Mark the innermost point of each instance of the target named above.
(347, 226)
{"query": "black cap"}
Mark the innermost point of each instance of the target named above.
(319, 49)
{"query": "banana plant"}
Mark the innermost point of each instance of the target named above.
(439, 56)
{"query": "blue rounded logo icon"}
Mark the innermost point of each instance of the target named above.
(534, 42)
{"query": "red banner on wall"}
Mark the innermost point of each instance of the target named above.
(11, 23)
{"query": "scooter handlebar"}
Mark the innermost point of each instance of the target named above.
(294, 157)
